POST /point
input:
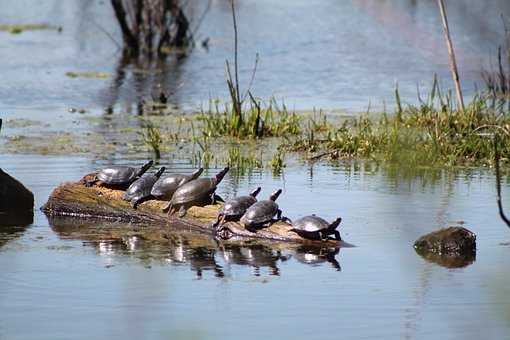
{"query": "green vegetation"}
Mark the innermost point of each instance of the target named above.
(151, 137)
(254, 121)
(431, 133)
(277, 163)
(17, 29)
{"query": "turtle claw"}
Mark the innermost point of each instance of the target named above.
(182, 212)
(167, 207)
(286, 220)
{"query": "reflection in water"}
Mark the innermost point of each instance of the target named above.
(316, 256)
(178, 247)
(458, 261)
(10, 232)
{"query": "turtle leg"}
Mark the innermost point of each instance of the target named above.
(135, 202)
(217, 198)
(219, 221)
(337, 235)
(182, 211)
(167, 207)
(89, 184)
(279, 217)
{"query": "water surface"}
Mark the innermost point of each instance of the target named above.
(62, 279)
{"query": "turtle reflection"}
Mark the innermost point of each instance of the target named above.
(318, 255)
(168, 245)
(256, 256)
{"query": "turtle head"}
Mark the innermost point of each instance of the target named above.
(255, 192)
(275, 195)
(196, 174)
(221, 174)
(335, 224)
(145, 167)
(160, 172)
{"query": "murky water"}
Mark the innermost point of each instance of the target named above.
(66, 278)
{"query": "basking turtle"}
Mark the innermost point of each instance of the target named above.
(315, 228)
(233, 209)
(197, 192)
(118, 175)
(165, 187)
(140, 190)
(261, 214)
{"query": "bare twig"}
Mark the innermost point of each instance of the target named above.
(451, 54)
(106, 33)
(252, 78)
(498, 181)
(238, 101)
(201, 19)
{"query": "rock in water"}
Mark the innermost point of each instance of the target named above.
(16, 202)
(450, 247)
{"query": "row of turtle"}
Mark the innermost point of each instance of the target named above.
(184, 191)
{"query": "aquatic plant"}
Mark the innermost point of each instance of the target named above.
(277, 162)
(430, 133)
(255, 121)
(151, 137)
(240, 162)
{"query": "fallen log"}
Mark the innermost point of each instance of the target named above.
(75, 199)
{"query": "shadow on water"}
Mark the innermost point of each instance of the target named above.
(177, 247)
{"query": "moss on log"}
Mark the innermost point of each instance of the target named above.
(75, 199)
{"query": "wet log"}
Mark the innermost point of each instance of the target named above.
(16, 202)
(451, 247)
(75, 199)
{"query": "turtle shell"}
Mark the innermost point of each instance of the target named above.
(237, 206)
(310, 224)
(141, 187)
(164, 188)
(118, 174)
(194, 190)
(260, 212)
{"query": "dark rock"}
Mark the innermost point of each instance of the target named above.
(450, 247)
(16, 202)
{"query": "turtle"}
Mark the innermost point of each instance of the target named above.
(165, 187)
(140, 190)
(234, 208)
(315, 228)
(262, 213)
(197, 192)
(118, 175)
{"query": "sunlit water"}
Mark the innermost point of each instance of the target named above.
(57, 283)
(60, 281)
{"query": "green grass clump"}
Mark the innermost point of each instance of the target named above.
(151, 137)
(241, 163)
(255, 121)
(431, 133)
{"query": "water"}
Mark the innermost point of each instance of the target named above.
(64, 279)
(326, 54)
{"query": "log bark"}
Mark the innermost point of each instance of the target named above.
(74, 199)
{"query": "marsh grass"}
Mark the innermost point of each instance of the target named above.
(277, 163)
(243, 162)
(255, 121)
(151, 137)
(430, 133)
